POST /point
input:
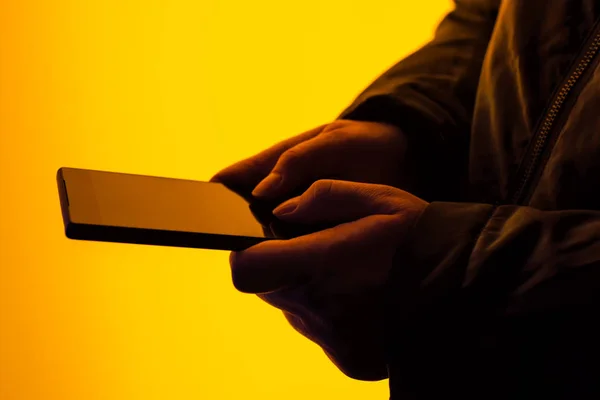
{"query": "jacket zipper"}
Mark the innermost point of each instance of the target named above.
(551, 116)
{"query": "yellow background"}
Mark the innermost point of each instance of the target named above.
(177, 88)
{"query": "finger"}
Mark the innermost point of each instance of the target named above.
(277, 264)
(301, 165)
(341, 201)
(244, 175)
(282, 264)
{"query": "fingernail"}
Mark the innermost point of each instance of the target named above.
(267, 185)
(286, 208)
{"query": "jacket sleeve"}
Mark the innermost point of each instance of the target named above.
(505, 296)
(430, 94)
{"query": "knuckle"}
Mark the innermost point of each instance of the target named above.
(389, 197)
(336, 125)
(335, 134)
(384, 191)
(290, 157)
(322, 189)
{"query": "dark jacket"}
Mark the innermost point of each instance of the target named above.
(497, 295)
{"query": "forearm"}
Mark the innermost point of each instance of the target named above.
(500, 294)
(521, 258)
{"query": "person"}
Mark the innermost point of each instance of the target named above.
(464, 260)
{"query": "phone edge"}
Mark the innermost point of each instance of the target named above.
(63, 199)
(193, 240)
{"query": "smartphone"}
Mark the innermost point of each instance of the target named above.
(138, 209)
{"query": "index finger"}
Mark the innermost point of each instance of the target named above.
(277, 264)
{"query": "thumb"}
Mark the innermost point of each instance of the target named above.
(341, 201)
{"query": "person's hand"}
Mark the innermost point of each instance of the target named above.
(329, 284)
(367, 152)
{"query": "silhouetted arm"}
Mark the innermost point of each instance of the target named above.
(498, 298)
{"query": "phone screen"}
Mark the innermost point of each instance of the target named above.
(111, 199)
